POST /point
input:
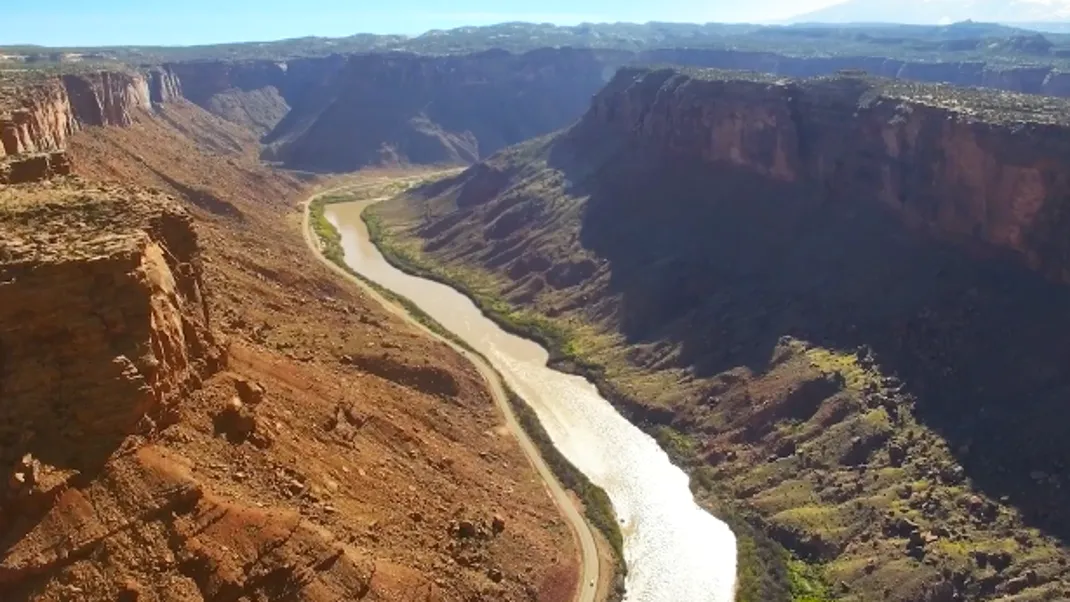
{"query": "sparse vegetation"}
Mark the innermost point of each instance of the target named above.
(807, 584)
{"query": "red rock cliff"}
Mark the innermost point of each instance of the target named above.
(103, 320)
(164, 85)
(40, 115)
(107, 98)
(975, 166)
(39, 118)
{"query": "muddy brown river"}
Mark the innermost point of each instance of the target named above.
(675, 551)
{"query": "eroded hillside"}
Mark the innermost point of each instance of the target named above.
(840, 302)
(195, 408)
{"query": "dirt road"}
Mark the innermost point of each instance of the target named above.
(589, 557)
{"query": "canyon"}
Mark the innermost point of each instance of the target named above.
(342, 112)
(837, 301)
(196, 409)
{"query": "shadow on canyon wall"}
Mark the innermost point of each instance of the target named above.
(725, 263)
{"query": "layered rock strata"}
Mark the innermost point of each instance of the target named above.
(104, 322)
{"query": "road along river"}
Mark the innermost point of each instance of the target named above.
(674, 550)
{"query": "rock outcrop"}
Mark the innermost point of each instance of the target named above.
(34, 167)
(164, 85)
(104, 322)
(41, 115)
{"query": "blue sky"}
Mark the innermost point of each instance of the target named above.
(143, 22)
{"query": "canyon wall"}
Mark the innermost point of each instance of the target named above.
(42, 114)
(258, 94)
(975, 166)
(342, 112)
(404, 108)
(338, 112)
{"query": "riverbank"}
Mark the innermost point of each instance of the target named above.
(606, 567)
(766, 570)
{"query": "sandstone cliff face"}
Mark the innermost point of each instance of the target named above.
(104, 323)
(164, 85)
(107, 98)
(40, 119)
(40, 116)
(977, 167)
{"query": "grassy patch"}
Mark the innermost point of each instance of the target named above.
(856, 376)
(675, 443)
(807, 583)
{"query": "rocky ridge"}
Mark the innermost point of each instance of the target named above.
(133, 348)
(41, 115)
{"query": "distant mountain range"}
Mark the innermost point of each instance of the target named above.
(1034, 14)
(962, 40)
